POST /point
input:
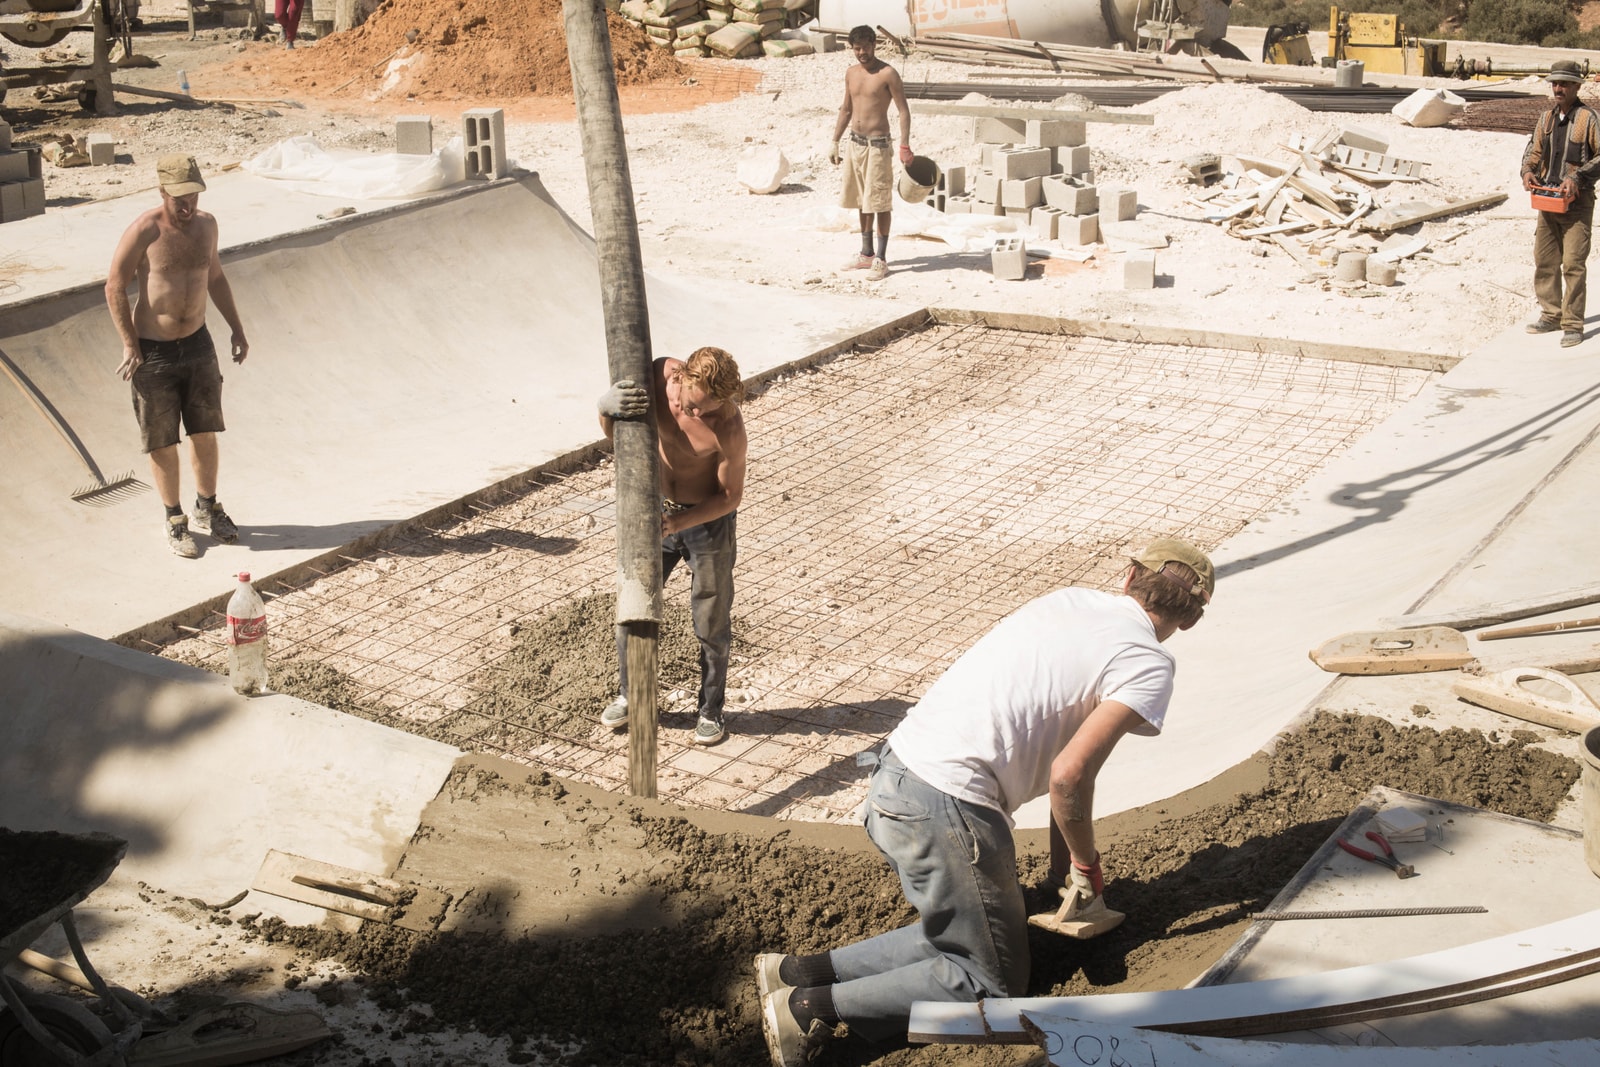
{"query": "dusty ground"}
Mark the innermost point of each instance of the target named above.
(589, 929)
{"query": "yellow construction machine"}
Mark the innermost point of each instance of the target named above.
(1382, 45)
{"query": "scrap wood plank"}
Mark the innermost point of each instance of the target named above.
(1008, 111)
(1066, 1038)
(1298, 254)
(1413, 217)
(351, 892)
(1270, 231)
(1559, 948)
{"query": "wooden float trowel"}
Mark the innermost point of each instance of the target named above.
(1505, 692)
(1413, 651)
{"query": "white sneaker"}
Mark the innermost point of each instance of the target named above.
(615, 716)
(877, 271)
(858, 262)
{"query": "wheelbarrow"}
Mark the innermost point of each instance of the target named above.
(43, 875)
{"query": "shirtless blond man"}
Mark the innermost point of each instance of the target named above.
(167, 353)
(869, 88)
(702, 447)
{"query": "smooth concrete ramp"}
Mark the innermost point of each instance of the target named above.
(201, 781)
(1384, 529)
(400, 359)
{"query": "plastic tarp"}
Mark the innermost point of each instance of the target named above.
(310, 168)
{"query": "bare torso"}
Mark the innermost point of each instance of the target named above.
(173, 275)
(692, 449)
(871, 90)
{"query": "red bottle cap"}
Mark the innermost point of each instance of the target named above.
(244, 576)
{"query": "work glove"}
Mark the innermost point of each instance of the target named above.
(1088, 881)
(906, 155)
(833, 153)
(624, 400)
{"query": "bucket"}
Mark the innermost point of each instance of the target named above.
(1589, 802)
(1349, 74)
(918, 179)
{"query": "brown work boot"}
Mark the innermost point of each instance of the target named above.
(1544, 326)
(1572, 338)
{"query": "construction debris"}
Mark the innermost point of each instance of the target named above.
(1326, 199)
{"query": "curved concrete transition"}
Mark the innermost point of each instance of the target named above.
(400, 359)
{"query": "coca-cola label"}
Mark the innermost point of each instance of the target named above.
(246, 631)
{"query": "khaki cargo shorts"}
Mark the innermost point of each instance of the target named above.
(868, 174)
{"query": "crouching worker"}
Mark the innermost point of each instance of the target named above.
(1037, 704)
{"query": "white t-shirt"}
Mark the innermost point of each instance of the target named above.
(991, 726)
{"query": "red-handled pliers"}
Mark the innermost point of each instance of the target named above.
(1401, 870)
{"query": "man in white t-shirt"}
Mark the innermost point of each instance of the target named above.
(1036, 706)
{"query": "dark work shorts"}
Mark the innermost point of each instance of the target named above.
(178, 379)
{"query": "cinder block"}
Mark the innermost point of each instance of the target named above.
(102, 150)
(987, 188)
(986, 154)
(14, 167)
(1048, 133)
(1044, 222)
(989, 130)
(1023, 193)
(1074, 159)
(1070, 195)
(1085, 176)
(1019, 213)
(1118, 205)
(11, 203)
(413, 135)
(1009, 259)
(5, 136)
(940, 198)
(1139, 270)
(981, 208)
(32, 197)
(1014, 163)
(483, 135)
(958, 205)
(1078, 229)
(1356, 137)
(955, 180)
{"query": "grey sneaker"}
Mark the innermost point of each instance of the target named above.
(214, 521)
(787, 1044)
(768, 980)
(1572, 338)
(178, 538)
(708, 731)
(1544, 326)
(615, 717)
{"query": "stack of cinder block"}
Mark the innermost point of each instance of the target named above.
(21, 180)
(1036, 171)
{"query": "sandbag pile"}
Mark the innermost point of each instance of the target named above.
(730, 29)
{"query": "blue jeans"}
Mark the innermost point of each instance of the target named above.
(958, 865)
(711, 550)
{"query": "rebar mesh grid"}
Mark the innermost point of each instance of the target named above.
(898, 504)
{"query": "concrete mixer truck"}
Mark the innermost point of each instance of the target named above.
(1196, 26)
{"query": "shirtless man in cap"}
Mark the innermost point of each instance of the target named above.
(171, 251)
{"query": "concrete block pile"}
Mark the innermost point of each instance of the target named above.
(732, 29)
(1036, 171)
(21, 180)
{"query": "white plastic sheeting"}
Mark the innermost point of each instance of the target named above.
(310, 168)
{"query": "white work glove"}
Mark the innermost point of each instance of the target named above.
(833, 153)
(624, 400)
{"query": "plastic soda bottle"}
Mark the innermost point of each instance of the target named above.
(183, 81)
(247, 638)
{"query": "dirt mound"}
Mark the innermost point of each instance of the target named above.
(474, 48)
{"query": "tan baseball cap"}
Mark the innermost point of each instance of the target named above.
(1165, 550)
(180, 175)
